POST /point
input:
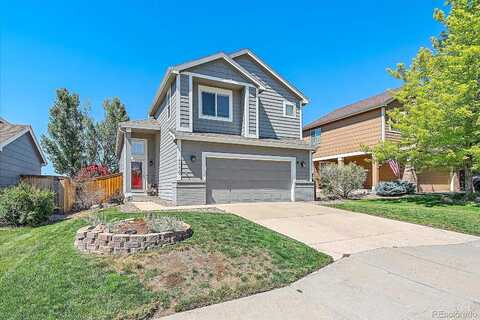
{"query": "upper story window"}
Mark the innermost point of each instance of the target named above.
(315, 135)
(316, 132)
(389, 124)
(289, 109)
(215, 103)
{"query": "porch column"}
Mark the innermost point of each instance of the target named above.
(375, 173)
(340, 161)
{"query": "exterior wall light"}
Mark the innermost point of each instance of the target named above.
(193, 158)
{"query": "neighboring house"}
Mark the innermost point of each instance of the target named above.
(20, 153)
(224, 128)
(340, 134)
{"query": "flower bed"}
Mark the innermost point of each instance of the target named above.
(103, 238)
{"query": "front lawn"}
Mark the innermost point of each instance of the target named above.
(42, 276)
(427, 210)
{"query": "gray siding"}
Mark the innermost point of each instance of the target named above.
(220, 69)
(190, 193)
(184, 112)
(167, 173)
(17, 158)
(193, 170)
(218, 126)
(273, 124)
(252, 111)
(304, 191)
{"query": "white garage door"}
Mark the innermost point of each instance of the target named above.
(239, 180)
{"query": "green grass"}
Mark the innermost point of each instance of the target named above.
(42, 276)
(427, 210)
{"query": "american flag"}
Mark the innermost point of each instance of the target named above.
(395, 167)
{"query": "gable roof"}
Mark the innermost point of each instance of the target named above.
(171, 71)
(10, 132)
(271, 71)
(361, 106)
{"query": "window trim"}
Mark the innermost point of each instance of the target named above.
(288, 103)
(169, 103)
(215, 91)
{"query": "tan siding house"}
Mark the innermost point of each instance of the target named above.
(340, 135)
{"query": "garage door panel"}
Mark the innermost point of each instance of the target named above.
(236, 180)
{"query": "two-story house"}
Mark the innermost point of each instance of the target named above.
(221, 129)
(340, 135)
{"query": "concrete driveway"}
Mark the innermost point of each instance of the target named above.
(338, 232)
(396, 271)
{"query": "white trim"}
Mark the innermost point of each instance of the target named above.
(300, 122)
(21, 133)
(310, 164)
(168, 101)
(383, 124)
(223, 56)
(228, 81)
(221, 155)
(276, 75)
(343, 155)
(138, 158)
(125, 166)
(190, 103)
(257, 134)
(453, 177)
(179, 159)
(216, 92)
(246, 112)
(288, 103)
(178, 100)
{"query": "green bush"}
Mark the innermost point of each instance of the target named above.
(25, 205)
(339, 181)
(395, 188)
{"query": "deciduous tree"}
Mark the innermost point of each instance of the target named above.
(440, 121)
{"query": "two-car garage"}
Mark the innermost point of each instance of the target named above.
(243, 178)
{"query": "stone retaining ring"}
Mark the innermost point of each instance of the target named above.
(92, 239)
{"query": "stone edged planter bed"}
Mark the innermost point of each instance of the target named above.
(96, 239)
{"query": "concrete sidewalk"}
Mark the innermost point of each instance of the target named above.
(391, 283)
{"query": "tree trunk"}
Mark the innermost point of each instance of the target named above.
(468, 180)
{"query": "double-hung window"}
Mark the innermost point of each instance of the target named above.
(214, 103)
(289, 109)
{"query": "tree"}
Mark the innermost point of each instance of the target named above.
(64, 141)
(107, 132)
(440, 120)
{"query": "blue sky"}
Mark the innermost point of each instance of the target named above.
(336, 52)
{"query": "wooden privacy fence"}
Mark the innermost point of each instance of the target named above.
(65, 189)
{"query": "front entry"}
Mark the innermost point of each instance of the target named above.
(242, 180)
(138, 165)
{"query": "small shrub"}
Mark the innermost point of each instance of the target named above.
(341, 180)
(86, 197)
(163, 224)
(395, 188)
(26, 205)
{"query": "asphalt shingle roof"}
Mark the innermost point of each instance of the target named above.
(351, 109)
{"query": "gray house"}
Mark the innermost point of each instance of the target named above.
(20, 153)
(221, 129)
